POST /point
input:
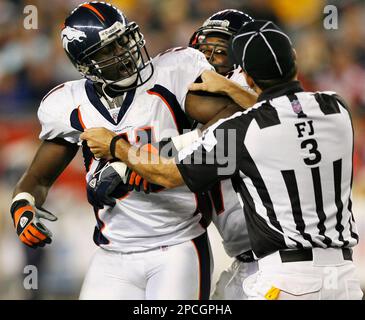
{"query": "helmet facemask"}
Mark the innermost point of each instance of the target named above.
(117, 60)
(214, 46)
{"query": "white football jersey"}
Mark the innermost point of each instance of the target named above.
(227, 210)
(138, 221)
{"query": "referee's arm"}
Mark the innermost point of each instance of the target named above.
(211, 158)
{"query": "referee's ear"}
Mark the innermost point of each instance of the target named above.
(252, 83)
(295, 54)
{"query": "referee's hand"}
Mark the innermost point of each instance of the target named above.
(98, 140)
(212, 82)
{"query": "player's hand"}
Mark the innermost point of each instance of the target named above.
(27, 223)
(98, 140)
(212, 82)
(104, 182)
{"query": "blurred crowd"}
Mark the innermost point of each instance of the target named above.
(33, 61)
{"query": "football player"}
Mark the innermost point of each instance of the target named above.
(220, 204)
(150, 246)
(212, 39)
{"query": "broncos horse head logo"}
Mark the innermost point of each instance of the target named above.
(70, 35)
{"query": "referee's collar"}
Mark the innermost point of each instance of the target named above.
(280, 90)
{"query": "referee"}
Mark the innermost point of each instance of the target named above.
(293, 150)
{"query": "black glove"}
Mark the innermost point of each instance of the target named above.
(107, 184)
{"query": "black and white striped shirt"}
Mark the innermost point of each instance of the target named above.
(294, 152)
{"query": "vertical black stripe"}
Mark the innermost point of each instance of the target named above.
(342, 103)
(250, 170)
(205, 208)
(217, 197)
(293, 192)
(202, 246)
(354, 235)
(264, 240)
(337, 174)
(319, 205)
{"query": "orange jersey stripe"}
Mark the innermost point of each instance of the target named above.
(93, 9)
(80, 118)
(167, 104)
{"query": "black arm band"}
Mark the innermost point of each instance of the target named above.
(113, 144)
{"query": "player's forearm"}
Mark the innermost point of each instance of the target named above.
(225, 113)
(31, 184)
(216, 83)
(152, 167)
(241, 96)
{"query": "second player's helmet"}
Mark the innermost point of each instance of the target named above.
(223, 24)
(105, 47)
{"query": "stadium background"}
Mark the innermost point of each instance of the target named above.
(33, 61)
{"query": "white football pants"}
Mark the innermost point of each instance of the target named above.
(179, 272)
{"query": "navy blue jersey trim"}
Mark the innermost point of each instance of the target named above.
(126, 104)
(98, 236)
(181, 119)
(203, 252)
(95, 101)
(75, 120)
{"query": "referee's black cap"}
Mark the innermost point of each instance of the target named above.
(263, 50)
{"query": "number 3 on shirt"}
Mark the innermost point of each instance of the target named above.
(315, 155)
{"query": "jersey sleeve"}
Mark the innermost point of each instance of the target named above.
(214, 156)
(54, 115)
(192, 64)
(181, 67)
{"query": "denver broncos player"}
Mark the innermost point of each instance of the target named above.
(212, 39)
(220, 204)
(150, 246)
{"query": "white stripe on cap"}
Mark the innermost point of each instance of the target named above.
(272, 52)
(277, 31)
(264, 26)
(253, 33)
(261, 33)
